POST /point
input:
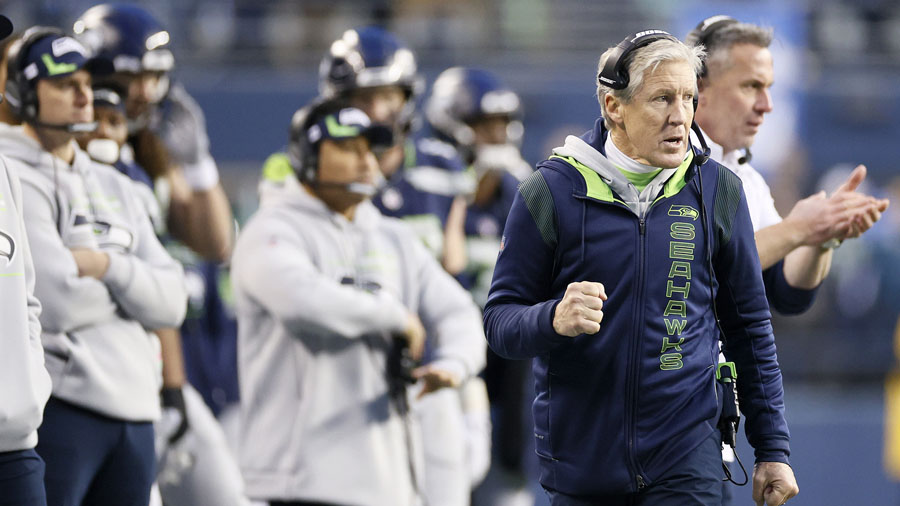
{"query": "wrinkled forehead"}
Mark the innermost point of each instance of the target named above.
(674, 74)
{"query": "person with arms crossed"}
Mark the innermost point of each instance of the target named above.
(196, 465)
(24, 382)
(168, 148)
(102, 277)
(619, 256)
(326, 291)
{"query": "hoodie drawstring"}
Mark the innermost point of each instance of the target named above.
(583, 227)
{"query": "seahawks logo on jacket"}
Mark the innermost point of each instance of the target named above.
(684, 212)
(7, 247)
(112, 236)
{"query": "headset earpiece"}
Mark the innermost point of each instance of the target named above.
(303, 154)
(615, 70)
(21, 95)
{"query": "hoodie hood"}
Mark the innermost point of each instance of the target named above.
(589, 150)
(16, 144)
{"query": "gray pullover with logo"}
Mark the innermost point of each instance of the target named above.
(317, 298)
(98, 349)
(24, 382)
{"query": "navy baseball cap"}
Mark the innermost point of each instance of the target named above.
(6, 27)
(59, 55)
(348, 123)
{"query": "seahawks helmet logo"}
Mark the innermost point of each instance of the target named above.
(7, 247)
(684, 212)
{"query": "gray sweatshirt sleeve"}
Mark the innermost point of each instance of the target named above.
(34, 306)
(69, 301)
(450, 316)
(148, 284)
(273, 267)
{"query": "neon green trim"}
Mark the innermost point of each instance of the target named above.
(54, 69)
(596, 188)
(599, 190)
(277, 168)
(726, 365)
(409, 154)
(338, 131)
(11, 274)
(640, 181)
(677, 182)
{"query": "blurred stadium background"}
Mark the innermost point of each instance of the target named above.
(251, 63)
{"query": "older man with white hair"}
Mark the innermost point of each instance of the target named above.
(616, 227)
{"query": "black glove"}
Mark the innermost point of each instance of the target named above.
(173, 398)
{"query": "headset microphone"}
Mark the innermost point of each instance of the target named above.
(703, 157)
(365, 189)
(72, 128)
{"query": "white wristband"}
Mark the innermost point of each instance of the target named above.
(202, 175)
(831, 244)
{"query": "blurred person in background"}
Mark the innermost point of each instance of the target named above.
(477, 114)
(423, 182)
(167, 129)
(373, 70)
(795, 252)
(734, 98)
(103, 279)
(197, 466)
(615, 268)
(167, 149)
(328, 294)
(423, 178)
(24, 379)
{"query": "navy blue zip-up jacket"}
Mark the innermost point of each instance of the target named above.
(615, 410)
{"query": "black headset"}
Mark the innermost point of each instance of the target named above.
(701, 34)
(615, 76)
(615, 71)
(22, 95)
(303, 154)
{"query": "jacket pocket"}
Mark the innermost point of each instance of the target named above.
(542, 426)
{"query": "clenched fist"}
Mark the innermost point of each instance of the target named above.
(580, 311)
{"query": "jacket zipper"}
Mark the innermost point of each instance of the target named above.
(634, 352)
(634, 366)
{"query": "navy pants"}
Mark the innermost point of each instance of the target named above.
(695, 480)
(728, 487)
(22, 479)
(95, 460)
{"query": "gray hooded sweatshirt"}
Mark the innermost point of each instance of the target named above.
(24, 382)
(99, 352)
(317, 298)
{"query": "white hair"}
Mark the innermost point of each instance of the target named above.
(648, 58)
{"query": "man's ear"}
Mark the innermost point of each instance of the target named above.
(613, 109)
(702, 82)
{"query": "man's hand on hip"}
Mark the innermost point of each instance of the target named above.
(773, 483)
(580, 311)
